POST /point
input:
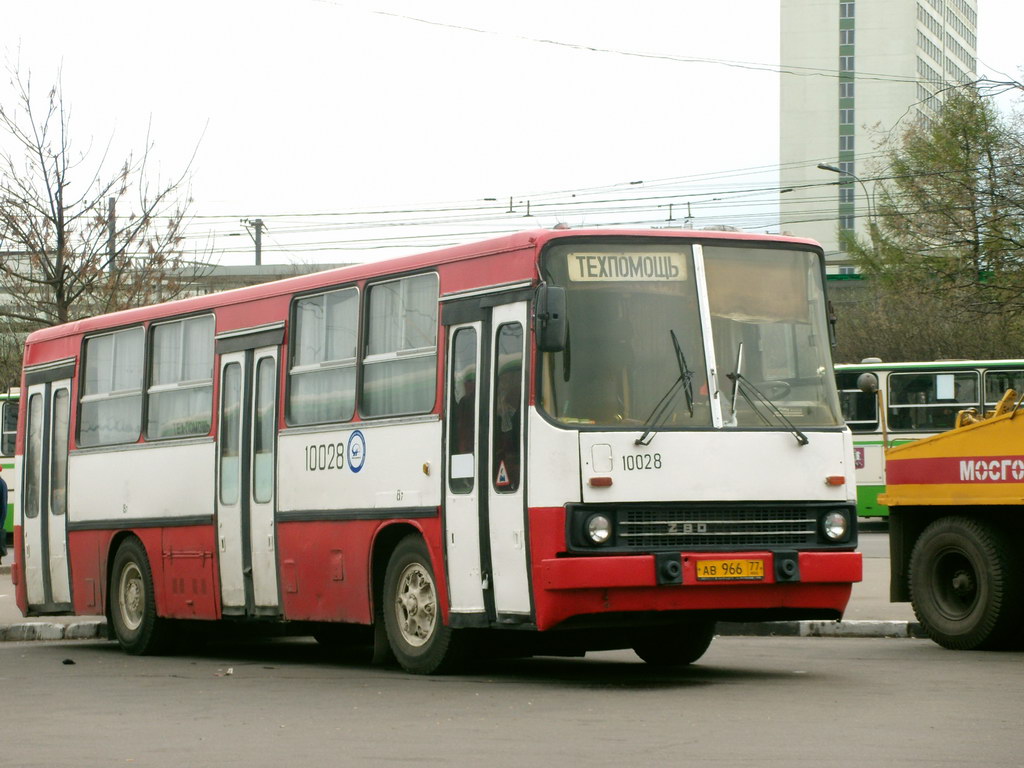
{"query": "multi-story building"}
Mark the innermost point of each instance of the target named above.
(854, 72)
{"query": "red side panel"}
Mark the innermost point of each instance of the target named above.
(87, 553)
(17, 576)
(185, 576)
(326, 570)
(188, 573)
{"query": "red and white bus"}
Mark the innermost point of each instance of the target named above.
(599, 439)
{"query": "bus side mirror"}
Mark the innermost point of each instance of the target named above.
(550, 326)
(867, 383)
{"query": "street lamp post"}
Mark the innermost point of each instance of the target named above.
(867, 194)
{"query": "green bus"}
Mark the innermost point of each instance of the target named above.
(920, 399)
(8, 432)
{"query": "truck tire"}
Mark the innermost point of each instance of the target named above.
(964, 586)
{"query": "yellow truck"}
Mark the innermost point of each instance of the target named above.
(956, 529)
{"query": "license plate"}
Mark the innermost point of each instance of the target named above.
(730, 570)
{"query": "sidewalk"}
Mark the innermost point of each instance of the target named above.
(869, 614)
(14, 626)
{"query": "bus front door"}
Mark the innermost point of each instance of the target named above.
(485, 513)
(246, 482)
(44, 511)
(506, 503)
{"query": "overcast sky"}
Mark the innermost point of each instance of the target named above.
(311, 114)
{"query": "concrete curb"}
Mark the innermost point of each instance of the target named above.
(87, 629)
(44, 630)
(94, 629)
(824, 629)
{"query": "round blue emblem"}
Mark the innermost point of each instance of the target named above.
(356, 451)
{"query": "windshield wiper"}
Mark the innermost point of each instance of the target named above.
(684, 382)
(685, 374)
(735, 380)
(736, 377)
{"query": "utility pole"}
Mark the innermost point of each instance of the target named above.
(257, 225)
(111, 235)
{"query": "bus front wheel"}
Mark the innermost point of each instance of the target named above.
(675, 646)
(137, 628)
(416, 632)
(964, 586)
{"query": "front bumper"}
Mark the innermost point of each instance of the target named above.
(570, 587)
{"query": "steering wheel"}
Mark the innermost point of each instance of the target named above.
(775, 388)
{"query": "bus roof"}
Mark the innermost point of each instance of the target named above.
(534, 239)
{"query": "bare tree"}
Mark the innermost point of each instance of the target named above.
(64, 254)
(10, 358)
(904, 322)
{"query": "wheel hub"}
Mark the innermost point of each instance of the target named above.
(963, 583)
(416, 605)
(957, 585)
(131, 598)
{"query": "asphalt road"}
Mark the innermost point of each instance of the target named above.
(751, 701)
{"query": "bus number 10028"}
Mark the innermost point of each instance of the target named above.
(325, 456)
(641, 461)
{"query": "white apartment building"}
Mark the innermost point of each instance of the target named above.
(853, 70)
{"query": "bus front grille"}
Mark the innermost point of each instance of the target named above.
(716, 528)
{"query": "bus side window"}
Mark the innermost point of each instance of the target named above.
(322, 377)
(400, 359)
(997, 382)
(928, 401)
(180, 390)
(111, 399)
(9, 427)
(909, 397)
(859, 409)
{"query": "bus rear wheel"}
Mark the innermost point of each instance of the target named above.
(964, 586)
(137, 628)
(416, 632)
(675, 646)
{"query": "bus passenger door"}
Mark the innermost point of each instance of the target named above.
(246, 482)
(44, 510)
(462, 486)
(506, 503)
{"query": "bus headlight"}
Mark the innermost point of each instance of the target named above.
(835, 525)
(599, 529)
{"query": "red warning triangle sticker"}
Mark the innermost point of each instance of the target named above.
(502, 479)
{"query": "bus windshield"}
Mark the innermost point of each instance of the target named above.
(636, 354)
